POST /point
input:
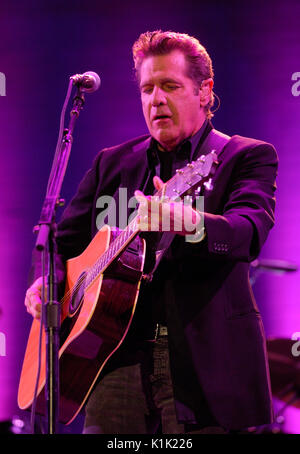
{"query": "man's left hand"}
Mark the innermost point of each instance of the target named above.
(164, 215)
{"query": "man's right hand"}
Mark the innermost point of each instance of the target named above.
(33, 301)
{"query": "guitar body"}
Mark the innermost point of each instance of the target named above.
(94, 323)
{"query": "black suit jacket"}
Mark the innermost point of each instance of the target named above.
(216, 337)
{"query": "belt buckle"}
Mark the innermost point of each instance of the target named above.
(160, 331)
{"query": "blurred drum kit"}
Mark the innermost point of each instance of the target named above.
(283, 356)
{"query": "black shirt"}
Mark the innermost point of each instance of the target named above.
(151, 303)
(165, 163)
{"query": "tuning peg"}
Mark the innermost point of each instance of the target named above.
(208, 185)
(36, 229)
(60, 202)
(197, 191)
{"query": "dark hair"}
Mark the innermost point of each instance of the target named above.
(199, 64)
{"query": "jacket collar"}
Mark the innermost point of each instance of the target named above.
(135, 167)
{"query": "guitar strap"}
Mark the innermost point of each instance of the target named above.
(215, 141)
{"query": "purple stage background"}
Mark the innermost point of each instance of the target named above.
(255, 47)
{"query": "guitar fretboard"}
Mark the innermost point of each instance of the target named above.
(115, 248)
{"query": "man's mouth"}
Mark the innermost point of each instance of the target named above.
(161, 117)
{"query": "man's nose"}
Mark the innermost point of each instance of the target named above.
(158, 97)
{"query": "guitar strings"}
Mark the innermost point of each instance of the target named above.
(95, 268)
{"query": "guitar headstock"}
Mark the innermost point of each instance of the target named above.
(195, 174)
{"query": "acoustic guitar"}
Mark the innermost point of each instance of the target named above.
(101, 293)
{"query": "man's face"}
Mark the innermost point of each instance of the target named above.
(171, 103)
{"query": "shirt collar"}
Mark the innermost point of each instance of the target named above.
(185, 151)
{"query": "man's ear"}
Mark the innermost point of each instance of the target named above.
(206, 91)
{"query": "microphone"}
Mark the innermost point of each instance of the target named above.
(88, 82)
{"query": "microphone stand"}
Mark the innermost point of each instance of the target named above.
(46, 229)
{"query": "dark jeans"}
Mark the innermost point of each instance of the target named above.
(134, 399)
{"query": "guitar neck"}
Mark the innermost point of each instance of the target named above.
(116, 247)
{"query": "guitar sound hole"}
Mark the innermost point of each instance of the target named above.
(77, 294)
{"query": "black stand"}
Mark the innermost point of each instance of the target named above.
(46, 242)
